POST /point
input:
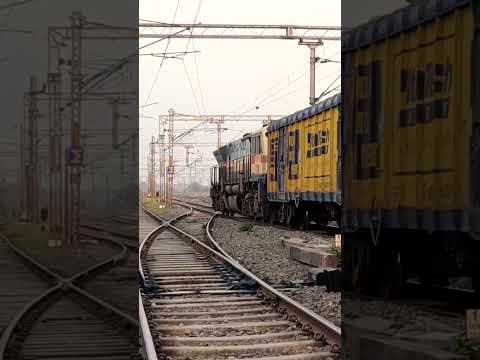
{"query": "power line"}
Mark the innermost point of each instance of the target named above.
(199, 85)
(191, 87)
(290, 93)
(194, 20)
(15, 4)
(163, 59)
(266, 92)
(202, 98)
(267, 102)
(328, 87)
(268, 95)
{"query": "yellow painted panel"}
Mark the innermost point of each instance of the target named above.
(318, 155)
(420, 158)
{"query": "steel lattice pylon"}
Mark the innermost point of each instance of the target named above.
(75, 152)
(171, 164)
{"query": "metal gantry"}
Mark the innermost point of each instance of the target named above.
(151, 169)
(75, 151)
(188, 147)
(171, 160)
(240, 31)
(29, 163)
(311, 36)
(66, 156)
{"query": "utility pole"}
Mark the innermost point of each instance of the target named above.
(171, 165)
(219, 122)
(187, 161)
(161, 167)
(21, 168)
(151, 169)
(107, 191)
(31, 164)
(55, 188)
(122, 170)
(312, 45)
(75, 152)
(115, 116)
(66, 160)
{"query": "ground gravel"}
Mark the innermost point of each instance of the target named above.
(261, 250)
(317, 299)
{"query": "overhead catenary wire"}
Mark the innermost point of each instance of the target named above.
(14, 4)
(202, 98)
(269, 100)
(328, 87)
(190, 40)
(191, 87)
(290, 93)
(163, 59)
(259, 101)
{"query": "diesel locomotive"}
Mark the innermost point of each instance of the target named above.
(286, 172)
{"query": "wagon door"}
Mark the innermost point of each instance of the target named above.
(281, 161)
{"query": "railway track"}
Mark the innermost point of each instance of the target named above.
(197, 303)
(118, 284)
(322, 230)
(66, 321)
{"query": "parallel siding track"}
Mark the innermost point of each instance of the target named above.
(321, 230)
(198, 303)
(60, 319)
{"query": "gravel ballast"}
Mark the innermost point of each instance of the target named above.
(261, 250)
(316, 298)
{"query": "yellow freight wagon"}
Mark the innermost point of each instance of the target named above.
(303, 179)
(411, 181)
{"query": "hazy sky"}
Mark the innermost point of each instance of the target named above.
(227, 76)
(235, 75)
(24, 55)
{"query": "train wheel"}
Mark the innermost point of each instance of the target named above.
(271, 215)
(245, 209)
(390, 281)
(291, 215)
(304, 221)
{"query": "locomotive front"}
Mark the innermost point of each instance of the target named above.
(238, 182)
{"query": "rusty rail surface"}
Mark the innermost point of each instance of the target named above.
(315, 329)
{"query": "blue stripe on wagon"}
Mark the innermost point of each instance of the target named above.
(332, 197)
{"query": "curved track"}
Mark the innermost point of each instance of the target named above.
(201, 304)
(64, 321)
(322, 230)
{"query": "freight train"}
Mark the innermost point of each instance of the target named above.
(411, 181)
(395, 158)
(286, 172)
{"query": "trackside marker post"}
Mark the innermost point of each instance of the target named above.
(473, 324)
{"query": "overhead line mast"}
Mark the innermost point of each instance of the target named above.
(311, 36)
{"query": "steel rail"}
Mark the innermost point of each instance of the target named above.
(305, 316)
(60, 285)
(149, 352)
(242, 218)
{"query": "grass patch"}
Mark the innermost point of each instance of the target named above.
(337, 252)
(152, 205)
(467, 348)
(246, 228)
(31, 238)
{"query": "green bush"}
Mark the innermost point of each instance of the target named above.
(246, 228)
